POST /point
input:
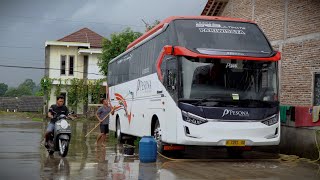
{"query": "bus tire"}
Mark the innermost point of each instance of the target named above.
(157, 136)
(119, 135)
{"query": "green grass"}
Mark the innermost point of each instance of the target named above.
(22, 114)
(136, 142)
(39, 116)
(37, 119)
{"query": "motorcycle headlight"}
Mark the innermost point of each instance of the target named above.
(64, 124)
(271, 121)
(193, 119)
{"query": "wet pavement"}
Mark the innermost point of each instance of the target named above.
(22, 157)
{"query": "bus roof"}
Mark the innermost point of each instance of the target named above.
(172, 18)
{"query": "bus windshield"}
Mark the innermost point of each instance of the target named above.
(222, 38)
(225, 79)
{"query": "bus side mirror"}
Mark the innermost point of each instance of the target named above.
(168, 50)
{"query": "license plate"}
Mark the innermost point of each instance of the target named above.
(235, 143)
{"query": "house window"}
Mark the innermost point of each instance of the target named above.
(63, 65)
(316, 96)
(85, 67)
(71, 65)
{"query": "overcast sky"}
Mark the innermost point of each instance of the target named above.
(25, 25)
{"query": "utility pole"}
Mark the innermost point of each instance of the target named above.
(146, 24)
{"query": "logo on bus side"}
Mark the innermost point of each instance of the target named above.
(207, 24)
(143, 85)
(235, 113)
(218, 28)
(123, 105)
(235, 54)
(232, 66)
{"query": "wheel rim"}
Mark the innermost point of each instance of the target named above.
(157, 135)
(62, 146)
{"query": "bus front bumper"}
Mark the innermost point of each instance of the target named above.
(218, 133)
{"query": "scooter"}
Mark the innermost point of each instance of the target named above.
(59, 140)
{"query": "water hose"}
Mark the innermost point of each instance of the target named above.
(284, 157)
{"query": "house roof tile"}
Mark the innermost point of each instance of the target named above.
(84, 35)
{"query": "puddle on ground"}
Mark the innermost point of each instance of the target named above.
(20, 149)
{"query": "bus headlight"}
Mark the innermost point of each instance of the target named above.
(271, 121)
(193, 119)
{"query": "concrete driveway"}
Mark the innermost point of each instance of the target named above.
(22, 157)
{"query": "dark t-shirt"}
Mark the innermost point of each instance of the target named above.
(57, 111)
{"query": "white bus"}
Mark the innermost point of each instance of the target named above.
(206, 81)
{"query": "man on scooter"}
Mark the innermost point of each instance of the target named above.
(55, 111)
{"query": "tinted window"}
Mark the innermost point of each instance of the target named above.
(71, 61)
(140, 61)
(63, 65)
(220, 35)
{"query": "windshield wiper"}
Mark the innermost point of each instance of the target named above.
(206, 99)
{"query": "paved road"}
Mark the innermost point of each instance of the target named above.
(22, 157)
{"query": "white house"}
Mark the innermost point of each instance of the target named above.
(74, 56)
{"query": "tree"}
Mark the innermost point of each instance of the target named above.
(150, 26)
(115, 46)
(29, 84)
(17, 92)
(37, 91)
(11, 92)
(3, 88)
(24, 89)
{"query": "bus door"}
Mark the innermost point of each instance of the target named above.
(170, 82)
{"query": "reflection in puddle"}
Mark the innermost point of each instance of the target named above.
(86, 161)
(20, 149)
(55, 168)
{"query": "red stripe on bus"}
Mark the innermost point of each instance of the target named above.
(159, 62)
(182, 51)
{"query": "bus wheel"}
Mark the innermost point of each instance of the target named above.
(118, 132)
(157, 134)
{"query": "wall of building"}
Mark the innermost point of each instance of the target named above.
(299, 141)
(53, 99)
(47, 60)
(93, 68)
(293, 27)
(53, 56)
(55, 62)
